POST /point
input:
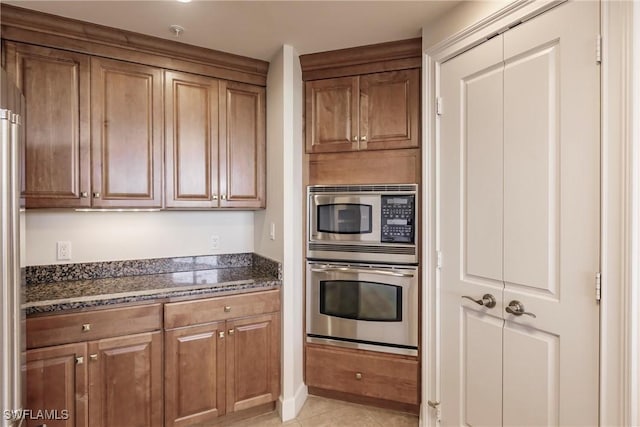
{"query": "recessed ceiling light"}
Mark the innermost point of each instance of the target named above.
(184, 1)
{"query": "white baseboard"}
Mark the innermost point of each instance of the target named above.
(290, 408)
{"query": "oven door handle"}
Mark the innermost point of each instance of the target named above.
(360, 270)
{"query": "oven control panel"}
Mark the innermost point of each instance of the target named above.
(398, 219)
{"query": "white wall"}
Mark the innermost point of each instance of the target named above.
(110, 236)
(284, 208)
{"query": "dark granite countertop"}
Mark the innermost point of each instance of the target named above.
(78, 294)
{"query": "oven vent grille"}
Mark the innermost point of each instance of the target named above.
(399, 250)
(361, 188)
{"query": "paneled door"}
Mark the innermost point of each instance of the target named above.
(519, 221)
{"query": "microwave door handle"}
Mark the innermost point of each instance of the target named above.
(358, 270)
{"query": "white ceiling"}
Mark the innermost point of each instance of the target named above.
(259, 28)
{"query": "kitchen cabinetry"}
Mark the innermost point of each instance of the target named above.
(215, 143)
(113, 366)
(126, 115)
(368, 112)
(370, 377)
(55, 84)
(222, 355)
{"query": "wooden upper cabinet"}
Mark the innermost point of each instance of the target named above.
(126, 112)
(242, 145)
(191, 138)
(57, 381)
(368, 112)
(389, 107)
(55, 84)
(332, 115)
(125, 381)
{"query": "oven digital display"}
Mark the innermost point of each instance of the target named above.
(360, 300)
(397, 219)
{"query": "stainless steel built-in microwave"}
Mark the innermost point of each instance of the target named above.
(366, 223)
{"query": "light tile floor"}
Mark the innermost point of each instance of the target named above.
(322, 412)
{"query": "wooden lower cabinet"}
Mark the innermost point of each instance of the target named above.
(365, 376)
(57, 383)
(125, 381)
(222, 367)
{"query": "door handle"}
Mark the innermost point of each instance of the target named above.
(517, 309)
(360, 270)
(487, 300)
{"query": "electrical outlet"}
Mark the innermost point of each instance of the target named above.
(63, 250)
(272, 231)
(215, 242)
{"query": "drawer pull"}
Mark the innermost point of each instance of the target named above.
(86, 327)
(358, 376)
(79, 360)
(227, 308)
(93, 357)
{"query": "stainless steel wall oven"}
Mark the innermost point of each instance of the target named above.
(362, 274)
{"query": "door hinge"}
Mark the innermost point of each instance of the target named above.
(598, 286)
(439, 106)
(599, 49)
(438, 260)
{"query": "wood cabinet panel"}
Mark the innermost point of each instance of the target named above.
(332, 115)
(194, 374)
(358, 372)
(90, 325)
(126, 110)
(55, 84)
(242, 145)
(389, 107)
(191, 119)
(57, 381)
(253, 361)
(125, 381)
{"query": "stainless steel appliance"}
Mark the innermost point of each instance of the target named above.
(12, 343)
(366, 306)
(368, 223)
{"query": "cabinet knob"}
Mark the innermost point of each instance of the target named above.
(227, 308)
(79, 360)
(232, 331)
(96, 195)
(355, 138)
(363, 138)
(358, 376)
(214, 197)
(84, 194)
(86, 327)
(223, 197)
(221, 334)
(93, 357)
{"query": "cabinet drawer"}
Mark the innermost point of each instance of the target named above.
(379, 376)
(91, 325)
(188, 313)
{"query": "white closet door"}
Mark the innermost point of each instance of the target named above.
(551, 217)
(470, 152)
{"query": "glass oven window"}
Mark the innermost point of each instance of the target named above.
(345, 218)
(359, 300)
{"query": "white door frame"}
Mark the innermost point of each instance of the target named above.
(620, 207)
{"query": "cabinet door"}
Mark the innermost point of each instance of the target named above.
(253, 361)
(332, 115)
(126, 111)
(125, 381)
(242, 145)
(194, 374)
(191, 119)
(57, 382)
(389, 110)
(55, 84)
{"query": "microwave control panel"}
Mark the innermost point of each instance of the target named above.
(398, 219)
